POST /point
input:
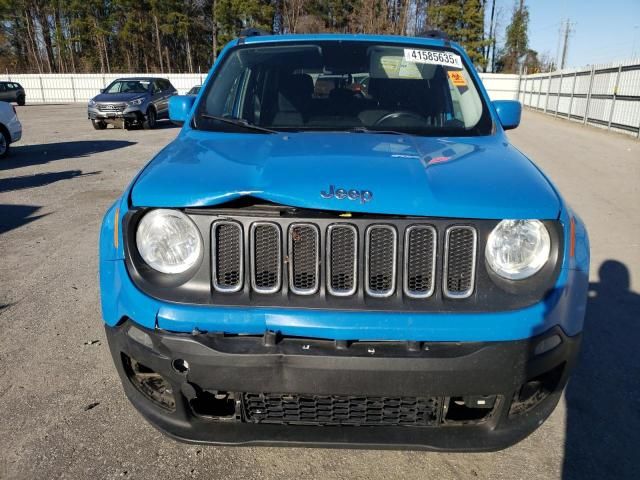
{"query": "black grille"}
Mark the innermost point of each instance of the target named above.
(341, 259)
(420, 251)
(228, 261)
(460, 261)
(381, 260)
(304, 258)
(267, 258)
(340, 410)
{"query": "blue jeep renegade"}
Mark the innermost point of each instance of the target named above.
(342, 248)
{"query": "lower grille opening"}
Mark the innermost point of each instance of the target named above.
(301, 409)
(151, 384)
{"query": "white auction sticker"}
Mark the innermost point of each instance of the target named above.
(433, 57)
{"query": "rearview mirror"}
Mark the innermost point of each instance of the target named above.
(179, 108)
(509, 113)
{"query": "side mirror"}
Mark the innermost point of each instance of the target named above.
(102, 90)
(179, 108)
(509, 113)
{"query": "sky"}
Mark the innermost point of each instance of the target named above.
(603, 31)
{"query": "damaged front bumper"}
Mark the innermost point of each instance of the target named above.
(237, 389)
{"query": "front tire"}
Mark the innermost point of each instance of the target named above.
(4, 144)
(99, 124)
(150, 120)
(21, 100)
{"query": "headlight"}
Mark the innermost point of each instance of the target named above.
(92, 102)
(137, 101)
(168, 241)
(517, 249)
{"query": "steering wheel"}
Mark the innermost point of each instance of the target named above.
(399, 114)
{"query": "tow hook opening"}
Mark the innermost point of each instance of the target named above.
(469, 409)
(214, 404)
(181, 366)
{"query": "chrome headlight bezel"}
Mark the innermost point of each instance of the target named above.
(92, 103)
(531, 235)
(136, 102)
(189, 238)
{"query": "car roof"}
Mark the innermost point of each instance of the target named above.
(141, 78)
(423, 41)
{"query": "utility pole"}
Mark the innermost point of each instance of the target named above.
(568, 30)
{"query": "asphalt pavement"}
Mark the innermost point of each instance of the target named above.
(64, 414)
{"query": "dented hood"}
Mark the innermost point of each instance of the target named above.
(472, 177)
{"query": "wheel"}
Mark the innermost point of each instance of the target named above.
(4, 144)
(99, 124)
(150, 121)
(21, 100)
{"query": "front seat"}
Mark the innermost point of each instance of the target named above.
(294, 99)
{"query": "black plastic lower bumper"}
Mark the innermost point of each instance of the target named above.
(483, 396)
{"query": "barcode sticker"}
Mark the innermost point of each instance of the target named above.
(433, 57)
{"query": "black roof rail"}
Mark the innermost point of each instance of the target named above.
(253, 32)
(434, 33)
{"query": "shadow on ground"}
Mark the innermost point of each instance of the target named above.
(39, 179)
(14, 216)
(603, 395)
(28, 155)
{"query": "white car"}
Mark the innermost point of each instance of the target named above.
(10, 128)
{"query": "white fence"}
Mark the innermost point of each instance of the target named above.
(606, 96)
(61, 88)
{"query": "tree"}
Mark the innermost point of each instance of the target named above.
(463, 22)
(517, 41)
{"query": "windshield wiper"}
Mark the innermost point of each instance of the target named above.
(238, 122)
(369, 130)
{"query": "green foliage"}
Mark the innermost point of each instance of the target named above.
(186, 35)
(517, 41)
(463, 21)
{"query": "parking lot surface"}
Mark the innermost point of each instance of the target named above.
(65, 414)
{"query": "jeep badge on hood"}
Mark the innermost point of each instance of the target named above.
(352, 194)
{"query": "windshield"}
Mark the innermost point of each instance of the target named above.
(128, 86)
(344, 86)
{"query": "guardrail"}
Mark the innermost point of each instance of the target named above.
(605, 96)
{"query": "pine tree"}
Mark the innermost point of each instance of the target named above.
(463, 22)
(517, 41)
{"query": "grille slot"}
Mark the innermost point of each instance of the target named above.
(228, 261)
(342, 259)
(304, 260)
(380, 260)
(111, 107)
(420, 261)
(303, 409)
(266, 257)
(460, 261)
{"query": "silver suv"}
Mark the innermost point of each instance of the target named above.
(12, 92)
(128, 102)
